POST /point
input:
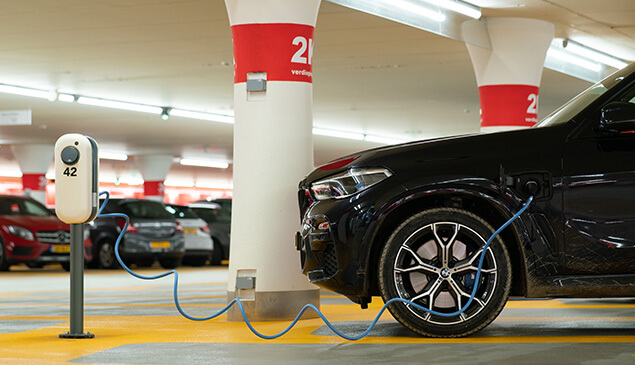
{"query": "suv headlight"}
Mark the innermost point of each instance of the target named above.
(21, 232)
(348, 183)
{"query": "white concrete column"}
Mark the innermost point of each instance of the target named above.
(154, 169)
(273, 151)
(508, 74)
(34, 161)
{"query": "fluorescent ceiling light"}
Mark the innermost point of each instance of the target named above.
(119, 105)
(67, 98)
(179, 183)
(204, 163)
(118, 156)
(213, 185)
(573, 59)
(25, 91)
(11, 173)
(385, 140)
(416, 9)
(338, 134)
(202, 116)
(458, 6)
(592, 54)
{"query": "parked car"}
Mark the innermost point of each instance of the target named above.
(31, 234)
(225, 203)
(153, 234)
(408, 221)
(219, 221)
(199, 246)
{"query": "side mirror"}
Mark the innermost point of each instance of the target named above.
(618, 116)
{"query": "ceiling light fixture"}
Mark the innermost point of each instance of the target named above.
(562, 55)
(179, 183)
(592, 54)
(416, 9)
(117, 156)
(204, 163)
(67, 98)
(165, 113)
(458, 6)
(10, 173)
(123, 105)
(213, 185)
(25, 91)
(384, 140)
(202, 115)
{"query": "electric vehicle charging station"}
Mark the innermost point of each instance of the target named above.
(76, 203)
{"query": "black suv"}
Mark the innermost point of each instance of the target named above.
(153, 233)
(410, 221)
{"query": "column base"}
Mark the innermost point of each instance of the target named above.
(273, 306)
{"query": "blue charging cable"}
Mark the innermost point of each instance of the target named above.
(306, 307)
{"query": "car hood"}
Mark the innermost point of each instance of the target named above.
(454, 155)
(34, 223)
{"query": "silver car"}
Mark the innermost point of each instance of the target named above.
(199, 246)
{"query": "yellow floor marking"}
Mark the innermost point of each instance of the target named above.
(113, 331)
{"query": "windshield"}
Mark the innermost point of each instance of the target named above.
(181, 212)
(17, 206)
(146, 209)
(569, 110)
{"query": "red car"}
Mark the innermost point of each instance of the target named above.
(31, 234)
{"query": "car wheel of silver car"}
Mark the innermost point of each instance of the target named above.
(217, 254)
(106, 255)
(431, 259)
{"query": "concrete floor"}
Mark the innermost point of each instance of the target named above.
(135, 322)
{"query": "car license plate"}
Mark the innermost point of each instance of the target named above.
(61, 248)
(190, 231)
(160, 244)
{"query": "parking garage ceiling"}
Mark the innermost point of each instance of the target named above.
(371, 75)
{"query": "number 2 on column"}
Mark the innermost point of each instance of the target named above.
(533, 98)
(301, 55)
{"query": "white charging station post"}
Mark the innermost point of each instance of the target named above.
(76, 203)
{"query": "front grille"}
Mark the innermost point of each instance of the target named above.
(55, 237)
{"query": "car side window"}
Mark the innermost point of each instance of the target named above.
(33, 209)
(589, 128)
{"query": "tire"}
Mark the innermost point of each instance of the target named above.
(32, 265)
(195, 261)
(170, 263)
(432, 259)
(106, 258)
(217, 255)
(4, 261)
(66, 266)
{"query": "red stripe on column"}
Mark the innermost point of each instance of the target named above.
(153, 188)
(283, 51)
(35, 182)
(508, 105)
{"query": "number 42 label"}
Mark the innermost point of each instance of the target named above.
(70, 171)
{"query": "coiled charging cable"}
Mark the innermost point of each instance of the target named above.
(306, 307)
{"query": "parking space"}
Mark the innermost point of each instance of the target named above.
(135, 322)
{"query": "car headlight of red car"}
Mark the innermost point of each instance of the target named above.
(21, 232)
(348, 183)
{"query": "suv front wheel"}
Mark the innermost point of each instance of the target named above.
(431, 259)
